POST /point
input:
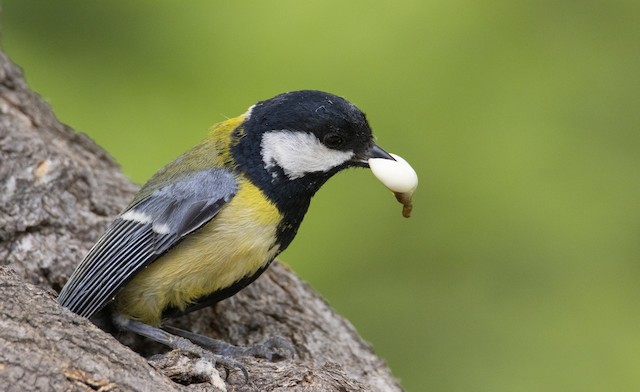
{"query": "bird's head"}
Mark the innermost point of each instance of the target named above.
(296, 141)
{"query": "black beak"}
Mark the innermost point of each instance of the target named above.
(374, 151)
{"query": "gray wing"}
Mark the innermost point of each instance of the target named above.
(142, 233)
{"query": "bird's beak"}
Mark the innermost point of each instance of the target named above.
(374, 151)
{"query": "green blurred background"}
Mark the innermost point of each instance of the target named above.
(520, 269)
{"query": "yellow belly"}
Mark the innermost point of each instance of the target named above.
(235, 244)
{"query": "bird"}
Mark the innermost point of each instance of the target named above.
(210, 222)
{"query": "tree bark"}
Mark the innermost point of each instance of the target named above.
(58, 192)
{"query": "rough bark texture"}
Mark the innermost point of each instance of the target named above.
(58, 192)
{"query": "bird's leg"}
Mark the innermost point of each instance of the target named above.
(268, 349)
(179, 343)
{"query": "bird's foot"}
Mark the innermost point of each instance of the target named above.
(273, 349)
(209, 360)
(187, 367)
(211, 352)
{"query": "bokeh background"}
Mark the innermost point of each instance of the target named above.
(520, 269)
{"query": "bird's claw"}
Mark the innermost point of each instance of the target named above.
(229, 363)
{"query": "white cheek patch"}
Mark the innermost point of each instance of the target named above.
(298, 153)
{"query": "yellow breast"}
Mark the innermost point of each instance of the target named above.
(235, 244)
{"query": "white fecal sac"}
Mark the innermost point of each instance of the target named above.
(399, 177)
(396, 175)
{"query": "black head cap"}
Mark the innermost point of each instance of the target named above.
(336, 122)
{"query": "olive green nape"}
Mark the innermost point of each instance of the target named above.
(212, 151)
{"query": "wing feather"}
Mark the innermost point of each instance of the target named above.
(142, 233)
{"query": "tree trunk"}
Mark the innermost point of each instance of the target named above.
(58, 192)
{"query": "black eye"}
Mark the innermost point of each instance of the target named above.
(332, 140)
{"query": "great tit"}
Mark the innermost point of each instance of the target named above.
(210, 222)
